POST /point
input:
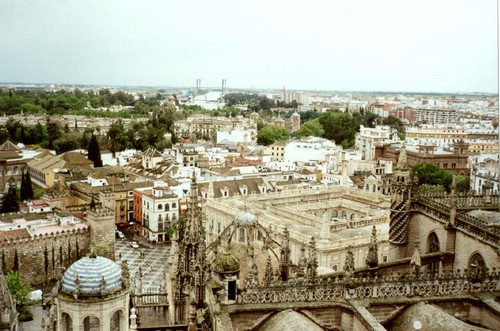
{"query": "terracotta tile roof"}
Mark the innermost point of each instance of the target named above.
(75, 158)
(14, 234)
(152, 152)
(9, 155)
(9, 146)
(233, 186)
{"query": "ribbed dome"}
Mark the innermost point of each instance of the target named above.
(90, 272)
(226, 263)
(245, 218)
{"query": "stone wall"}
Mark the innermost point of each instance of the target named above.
(102, 231)
(465, 245)
(41, 259)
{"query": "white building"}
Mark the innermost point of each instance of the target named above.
(238, 136)
(368, 138)
(160, 207)
(311, 149)
(484, 171)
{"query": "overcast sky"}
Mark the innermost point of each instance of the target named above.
(430, 45)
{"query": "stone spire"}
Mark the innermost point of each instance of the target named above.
(372, 257)
(285, 256)
(453, 202)
(416, 260)
(252, 267)
(454, 185)
(312, 263)
(349, 262)
(402, 159)
(301, 265)
(268, 277)
(193, 209)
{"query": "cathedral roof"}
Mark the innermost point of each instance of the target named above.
(289, 320)
(422, 316)
(92, 276)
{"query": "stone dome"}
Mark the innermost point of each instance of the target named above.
(95, 275)
(226, 263)
(245, 218)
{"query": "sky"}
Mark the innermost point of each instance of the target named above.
(351, 45)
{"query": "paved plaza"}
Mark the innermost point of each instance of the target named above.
(152, 262)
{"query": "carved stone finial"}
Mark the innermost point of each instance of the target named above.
(349, 262)
(102, 284)
(268, 277)
(415, 261)
(77, 287)
(372, 257)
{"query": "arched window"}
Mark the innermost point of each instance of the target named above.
(66, 322)
(432, 247)
(344, 214)
(115, 321)
(167, 206)
(91, 323)
(432, 243)
(174, 205)
(352, 216)
(334, 213)
(476, 265)
(160, 206)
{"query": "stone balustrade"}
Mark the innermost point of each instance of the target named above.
(331, 289)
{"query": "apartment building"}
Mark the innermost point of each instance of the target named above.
(160, 207)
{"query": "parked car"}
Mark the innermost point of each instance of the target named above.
(134, 244)
(120, 234)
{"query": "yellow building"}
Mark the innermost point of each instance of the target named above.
(47, 169)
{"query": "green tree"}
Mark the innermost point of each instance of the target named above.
(310, 128)
(462, 184)
(38, 134)
(339, 127)
(94, 152)
(22, 293)
(53, 130)
(271, 133)
(431, 174)
(10, 200)
(369, 119)
(394, 123)
(65, 144)
(117, 137)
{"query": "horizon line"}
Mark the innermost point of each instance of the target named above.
(257, 88)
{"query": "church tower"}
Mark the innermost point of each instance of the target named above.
(400, 206)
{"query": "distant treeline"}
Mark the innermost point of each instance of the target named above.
(70, 102)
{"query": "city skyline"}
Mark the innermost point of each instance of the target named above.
(444, 47)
